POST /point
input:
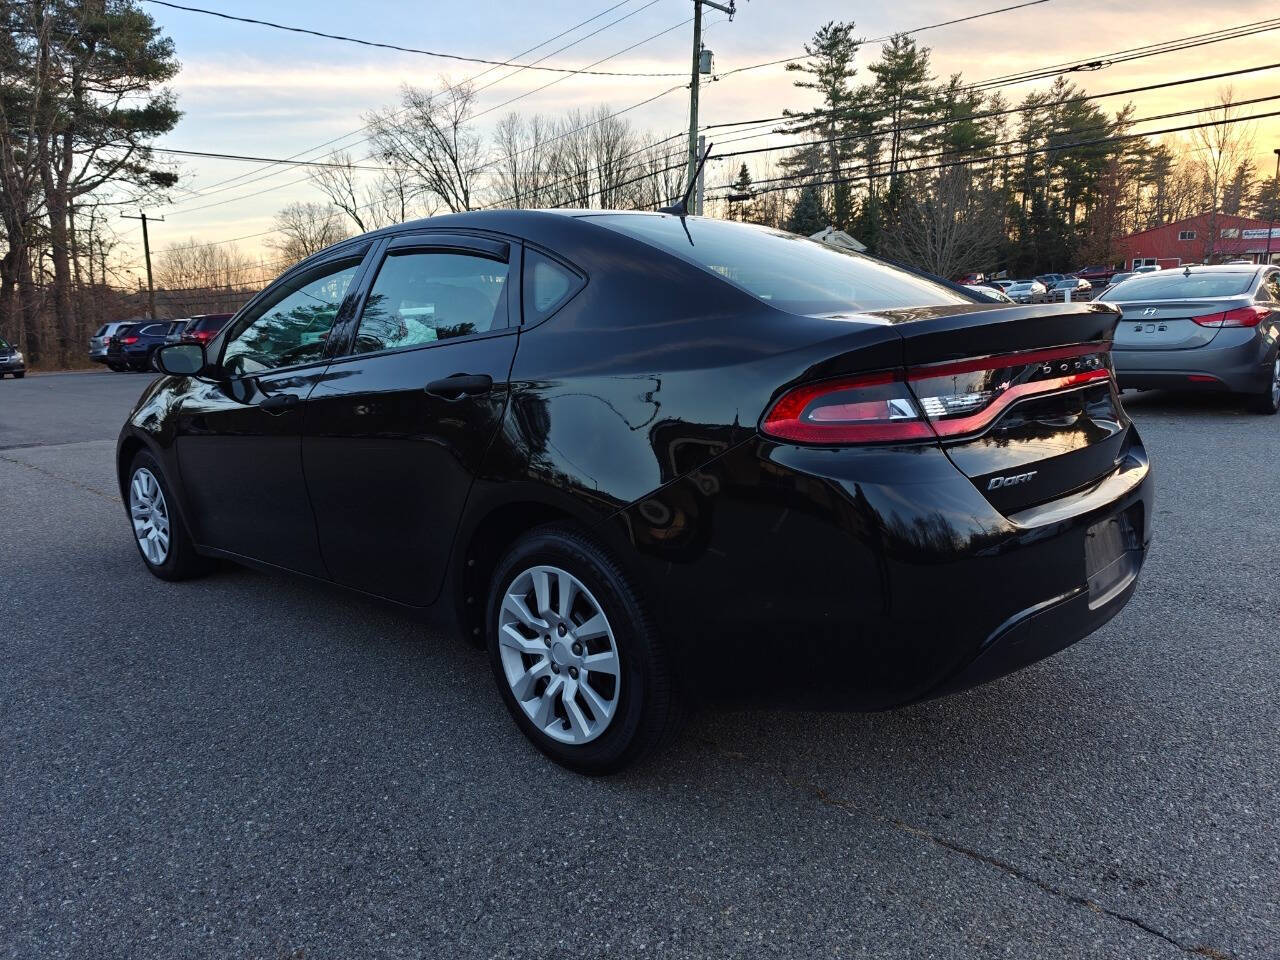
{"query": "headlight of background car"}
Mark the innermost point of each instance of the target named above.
(17, 355)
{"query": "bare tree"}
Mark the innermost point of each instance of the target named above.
(392, 197)
(571, 161)
(523, 173)
(429, 138)
(949, 223)
(613, 149)
(1217, 152)
(304, 229)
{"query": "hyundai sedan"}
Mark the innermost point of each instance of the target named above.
(644, 459)
(1202, 329)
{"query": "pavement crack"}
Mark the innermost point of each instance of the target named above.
(57, 476)
(823, 796)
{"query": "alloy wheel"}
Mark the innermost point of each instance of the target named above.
(559, 654)
(150, 516)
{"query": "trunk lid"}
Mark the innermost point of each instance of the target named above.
(1022, 396)
(1167, 324)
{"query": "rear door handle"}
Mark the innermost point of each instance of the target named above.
(459, 385)
(278, 403)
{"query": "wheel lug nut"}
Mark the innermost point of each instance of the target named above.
(577, 649)
(555, 668)
(547, 639)
(560, 629)
(573, 672)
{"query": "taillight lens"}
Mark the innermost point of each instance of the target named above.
(926, 402)
(969, 395)
(876, 408)
(1240, 317)
(128, 340)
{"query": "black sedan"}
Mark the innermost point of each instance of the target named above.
(648, 459)
(1209, 329)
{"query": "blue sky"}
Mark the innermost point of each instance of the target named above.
(252, 90)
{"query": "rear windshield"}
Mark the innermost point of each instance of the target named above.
(1167, 285)
(102, 330)
(205, 323)
(786, 271)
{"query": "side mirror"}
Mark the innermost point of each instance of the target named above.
(181, 359)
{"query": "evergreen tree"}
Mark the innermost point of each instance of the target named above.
(807, 216)
(828, 70)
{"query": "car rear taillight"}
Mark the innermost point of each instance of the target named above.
(1240, 317)
(128, 340)
(969, 395)
(926, 402)
(876, 408)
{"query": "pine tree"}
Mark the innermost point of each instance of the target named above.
(807, 216)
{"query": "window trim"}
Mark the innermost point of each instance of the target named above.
(426, 243)
(347, 251)
(1186, 235)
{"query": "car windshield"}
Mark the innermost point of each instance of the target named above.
(784, 270)
(1020, 284)
(4, 345)
(1167, 285)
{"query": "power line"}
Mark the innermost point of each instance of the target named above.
(989, 114)
(617, 53)
(889, 36)
(1057, 147)
(288, 160)
(208, 191)
(392, 46)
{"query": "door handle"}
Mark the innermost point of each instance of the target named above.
(278, 403)
(459, 385)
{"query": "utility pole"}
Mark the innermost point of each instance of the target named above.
(146, 250)
(1271, 227)
(694, 150)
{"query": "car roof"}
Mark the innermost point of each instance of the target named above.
(1218, 268)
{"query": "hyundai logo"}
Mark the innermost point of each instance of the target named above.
(1150, 312)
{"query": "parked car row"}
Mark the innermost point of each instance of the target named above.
(132, 346)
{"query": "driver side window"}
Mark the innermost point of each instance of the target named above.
(291, 328)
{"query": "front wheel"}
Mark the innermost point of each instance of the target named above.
(576, 655)
(1268, 400)
(158, 531)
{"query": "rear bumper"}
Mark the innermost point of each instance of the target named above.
(874, 578)
(1238, 361)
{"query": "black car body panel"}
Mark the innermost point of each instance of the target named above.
(635, 410)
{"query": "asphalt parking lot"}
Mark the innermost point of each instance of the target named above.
(252, 766)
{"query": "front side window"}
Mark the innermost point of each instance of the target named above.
(423, 296)
(291, 328)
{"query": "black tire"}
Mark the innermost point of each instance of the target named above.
(19, 376)
(182, 561)
(1267, 401)
(648, 708)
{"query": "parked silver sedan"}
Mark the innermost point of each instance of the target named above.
(1201, 328)
(1026, 291)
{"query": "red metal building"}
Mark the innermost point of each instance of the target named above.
(1188, 241)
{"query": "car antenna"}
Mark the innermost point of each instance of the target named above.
(681, 209)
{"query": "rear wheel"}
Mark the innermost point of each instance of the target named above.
(1268, 400)
(158, 531)
(576, 655)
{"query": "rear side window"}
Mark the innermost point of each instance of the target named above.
(792, 273)
(424, 296)
(548, 284)
(102, 330)
(1168, 285)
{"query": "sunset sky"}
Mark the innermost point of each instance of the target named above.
(253, 90)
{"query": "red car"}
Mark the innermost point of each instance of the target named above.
(204, 328)
(1099, 276)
